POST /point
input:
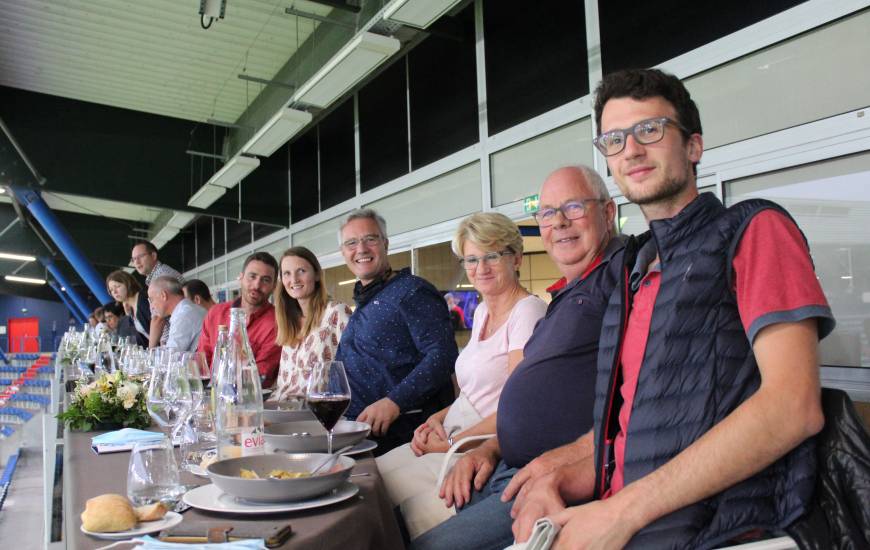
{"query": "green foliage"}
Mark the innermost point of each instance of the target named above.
(112, 399)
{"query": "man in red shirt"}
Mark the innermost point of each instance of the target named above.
(651, 137)
(257, 281)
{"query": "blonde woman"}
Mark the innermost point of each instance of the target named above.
(309, 324)
(127, 291)
(490, 248)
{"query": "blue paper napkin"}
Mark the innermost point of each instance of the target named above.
(126, 436)
(150, 543)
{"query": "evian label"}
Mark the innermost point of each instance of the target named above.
(253, 442)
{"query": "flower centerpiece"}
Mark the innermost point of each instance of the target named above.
(111, 400)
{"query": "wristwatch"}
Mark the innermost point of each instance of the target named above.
(449, 441)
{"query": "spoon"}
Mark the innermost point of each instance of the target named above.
(328, 461)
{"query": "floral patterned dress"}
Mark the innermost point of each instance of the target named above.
(320, 345)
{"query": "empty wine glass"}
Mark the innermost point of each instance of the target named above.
(169, 396)
(328, 395)
(152, 474)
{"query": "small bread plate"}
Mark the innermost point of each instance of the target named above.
(210, 498)
(171, 519)
(363, 446)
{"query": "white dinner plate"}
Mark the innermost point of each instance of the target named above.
(210, 498)
(363, 446)
(171, 519)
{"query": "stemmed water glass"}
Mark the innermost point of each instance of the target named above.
(328, 395)
(169, 393)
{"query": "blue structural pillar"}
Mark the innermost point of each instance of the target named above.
(66, 301)
(41, 211)
(74, 296)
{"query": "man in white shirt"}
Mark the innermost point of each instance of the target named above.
(167, 299)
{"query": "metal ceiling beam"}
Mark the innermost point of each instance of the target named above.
(321, 18)
(266, 81)
(337, 4)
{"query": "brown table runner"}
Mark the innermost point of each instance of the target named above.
(364, 521)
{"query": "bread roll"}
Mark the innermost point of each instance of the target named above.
(150, 512)
(108, 514)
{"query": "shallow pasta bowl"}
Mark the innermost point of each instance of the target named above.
(276, 413)
(308, 436)
(226, 475)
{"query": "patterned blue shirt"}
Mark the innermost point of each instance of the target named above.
(398, 345)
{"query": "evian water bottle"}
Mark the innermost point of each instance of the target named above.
(239, 397)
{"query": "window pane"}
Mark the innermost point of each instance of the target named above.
(202, 227)
(519, 171)
(261, 230)
(535, 58)
(830, 201)
(219, 238)
(304, 201)
(383, 127)
(452, 195)
(745, 98)
(337, 171)
(443, 109)
(658, 31)
(238, 234)
(321, 238)
(631, 220)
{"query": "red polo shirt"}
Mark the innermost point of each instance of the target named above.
(262, 334)
(774, 282)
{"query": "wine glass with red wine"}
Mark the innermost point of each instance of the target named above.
(328, 395)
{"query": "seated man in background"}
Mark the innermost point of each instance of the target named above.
(197, 292)
(117, 322)
(257, 281)
(398, 348)
(547, 400)
(185, 317)
(708, 380)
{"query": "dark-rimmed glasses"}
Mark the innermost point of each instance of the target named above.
(490, 258)
(645, 132)
(571, 210)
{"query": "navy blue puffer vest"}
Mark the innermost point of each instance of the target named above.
(697, 368)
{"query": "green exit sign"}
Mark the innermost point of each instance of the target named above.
(530, 204)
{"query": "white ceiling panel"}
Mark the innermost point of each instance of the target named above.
(149, 55)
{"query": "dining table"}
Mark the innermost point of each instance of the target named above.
(366, 520)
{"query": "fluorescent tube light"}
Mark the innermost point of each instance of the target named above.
(349, 66)
(206, 196)
(179, 220)
(234, 171)
(18, 257)
(163, 236)
(417, 13)
(28, 280)
(347, 282)
(276, 132)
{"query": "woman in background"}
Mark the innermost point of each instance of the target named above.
(128, 292)
(309, 324)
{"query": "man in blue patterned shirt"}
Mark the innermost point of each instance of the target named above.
(398, 348)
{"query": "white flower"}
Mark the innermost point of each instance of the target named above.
(87, 388)
(127, 393)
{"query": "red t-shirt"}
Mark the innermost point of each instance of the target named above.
(774, 282)
(262, 334)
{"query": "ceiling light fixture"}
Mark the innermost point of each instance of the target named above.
(206, 196)
(284, 125)
(417, 13)
(179, 220)
(17, 257)
(28, 280)
(347, 282)
(351, 64)
(234, 171)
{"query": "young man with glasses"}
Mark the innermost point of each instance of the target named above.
(547, 400)
(398, 347)
(144, 259)
(707, 393)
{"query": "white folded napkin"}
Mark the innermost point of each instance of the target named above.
(149, 543)
(125, 436)
(543, 534)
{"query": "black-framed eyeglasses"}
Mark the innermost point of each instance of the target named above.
(571, 210)
(367, 240)
(491, 258)
(645, 132)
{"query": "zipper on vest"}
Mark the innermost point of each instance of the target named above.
(605, 439)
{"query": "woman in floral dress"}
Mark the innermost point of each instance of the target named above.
(309, 324)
